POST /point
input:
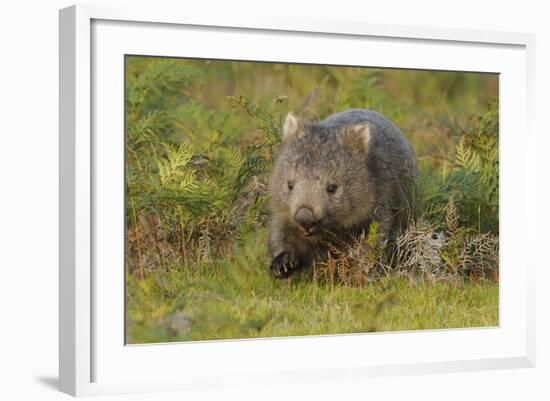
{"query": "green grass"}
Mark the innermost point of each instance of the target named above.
(201, 136)
(236, 298)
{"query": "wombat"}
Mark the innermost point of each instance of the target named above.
(331, 180)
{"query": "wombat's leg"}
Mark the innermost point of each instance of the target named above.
(283, 265)
(389, 229)
(388, 224)
(282, 246)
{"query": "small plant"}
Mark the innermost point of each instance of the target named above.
(357, 264)
(418, 249)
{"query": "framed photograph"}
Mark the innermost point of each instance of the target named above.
(275, 200)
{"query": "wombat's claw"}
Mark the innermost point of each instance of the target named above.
(282, 266)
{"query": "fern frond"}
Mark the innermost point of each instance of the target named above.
(172, 167)
(466, 158)
(451, 217)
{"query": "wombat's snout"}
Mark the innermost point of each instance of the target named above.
(306, 219)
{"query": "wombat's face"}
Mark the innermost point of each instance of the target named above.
(320, 179)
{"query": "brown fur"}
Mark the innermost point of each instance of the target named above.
(331, 180)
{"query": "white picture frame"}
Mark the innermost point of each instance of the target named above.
(93, 356)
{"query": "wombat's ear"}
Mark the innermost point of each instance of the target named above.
(357, 137)
(290, 128)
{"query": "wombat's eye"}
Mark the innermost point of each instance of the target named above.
(331, 189)
(290, 185)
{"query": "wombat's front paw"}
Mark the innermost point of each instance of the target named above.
(283, 265)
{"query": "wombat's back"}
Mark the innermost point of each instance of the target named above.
(389, 149)
(358, 116)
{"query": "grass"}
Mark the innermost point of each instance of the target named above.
(236, 298)
(201, 136)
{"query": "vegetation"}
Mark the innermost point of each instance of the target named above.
(200, 141)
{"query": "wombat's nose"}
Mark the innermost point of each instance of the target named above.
(305, 218)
